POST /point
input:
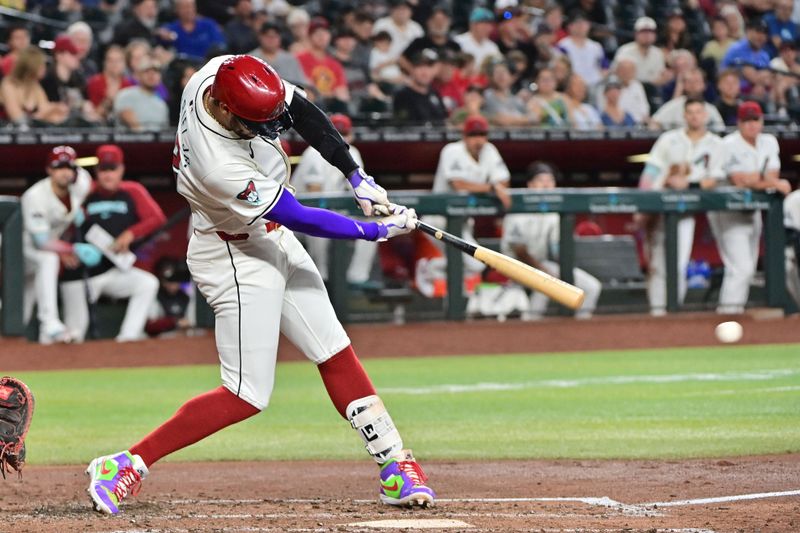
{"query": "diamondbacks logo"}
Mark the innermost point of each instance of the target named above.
(249, 194)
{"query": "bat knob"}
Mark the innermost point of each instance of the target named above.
(438, 235)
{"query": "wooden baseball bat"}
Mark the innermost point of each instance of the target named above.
(526, 275)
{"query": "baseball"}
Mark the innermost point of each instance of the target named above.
(728, 332)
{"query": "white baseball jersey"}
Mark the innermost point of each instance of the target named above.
(314, 170)
(456, 163)
(674, 147)
(741, 156)
(539, 233)
(791, 211)
(230, 183)
(44, 213)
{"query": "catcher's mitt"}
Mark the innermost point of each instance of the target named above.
(16, 411)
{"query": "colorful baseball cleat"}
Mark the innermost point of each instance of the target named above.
(113, 478)
(403, 483)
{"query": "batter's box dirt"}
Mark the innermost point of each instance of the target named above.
(496, 496)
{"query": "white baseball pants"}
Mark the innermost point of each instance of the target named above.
(258, 288)
(138, 286)
(657, 278)
(41, 287)
(738, 235)
(583, 280)
(792, 275)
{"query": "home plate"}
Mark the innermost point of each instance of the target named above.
(412, 524)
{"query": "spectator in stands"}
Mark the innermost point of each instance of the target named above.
(191, 35)
(364, 94)
(595, 14)
(82, 37)
(649, 60)
(561, 67)
(680, 62)
(785, 90)
(548, 105)
(780, 26)
(512, 37)
(140, 25)
(64, 83)
(102, 88)
(728, 88)
(733, 17)
(476, 41)
(385, 68)
(418, 101)
(239, 32)
(586, 56)
(502, 107)
(449, 82)
(583, 116)
(49, 208)
(716, 48)
(174, 306)
(674, 35)
(314, 175)
(546, 50)
(473, 105)
(554, 18)
(400, 26)
(750, 56)
(671, 115)
(270, 50)
(22, 96)
(139, 108)
(185, 70)
(361, 24)
(126, 211)
(613, 114)
(437, 37)
(534, 239)
(137, 52)
(632, 97)
(323, 71)
(298, 21)
(18, 39)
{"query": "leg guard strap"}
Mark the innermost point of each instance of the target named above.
(369, 417)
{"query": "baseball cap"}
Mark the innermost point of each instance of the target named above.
(318, 23)
(269, 26)
(612, 82)
(109, 156)
(476, 125)
(576, 16)
(426, 56)
(62, 156)
(758, 25)
(149, 63)
(64, 44)
(645, 24)
(481, 14)
(749, 111)
(342, 123)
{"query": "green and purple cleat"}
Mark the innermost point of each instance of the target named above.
(113, 478)
(403, 483)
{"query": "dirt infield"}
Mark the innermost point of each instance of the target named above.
(482, 496)
(729, 494)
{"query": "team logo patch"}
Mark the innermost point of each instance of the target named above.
(249, 194)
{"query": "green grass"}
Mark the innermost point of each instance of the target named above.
(616, 407)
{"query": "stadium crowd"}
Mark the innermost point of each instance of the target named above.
(581, 64)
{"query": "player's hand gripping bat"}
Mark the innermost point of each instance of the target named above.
(526, 275)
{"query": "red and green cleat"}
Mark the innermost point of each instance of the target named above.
(113, 478)
(403, 483)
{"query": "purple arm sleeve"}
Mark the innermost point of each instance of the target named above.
(321, 222)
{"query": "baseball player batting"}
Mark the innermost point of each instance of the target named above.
(259, 280)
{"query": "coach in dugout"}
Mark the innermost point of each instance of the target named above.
(128, 213)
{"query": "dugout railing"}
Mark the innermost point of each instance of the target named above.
(568, 203)
(12, 265)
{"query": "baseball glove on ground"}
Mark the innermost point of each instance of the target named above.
(16, 411)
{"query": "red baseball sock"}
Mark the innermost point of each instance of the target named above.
(195, 420)
(345, 379)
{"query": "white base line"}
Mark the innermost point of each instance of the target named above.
(723, 499)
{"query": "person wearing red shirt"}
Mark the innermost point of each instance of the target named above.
(325, 72)
(19, 38)
(104, 86)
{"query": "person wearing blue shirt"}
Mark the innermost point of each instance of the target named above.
(193, 36)
(781, 26)
(750, 57)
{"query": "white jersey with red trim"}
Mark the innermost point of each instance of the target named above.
(703, 156)
(43, 213)
(229, 182)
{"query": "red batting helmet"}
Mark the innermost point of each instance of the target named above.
(62, 156)
(253, 92)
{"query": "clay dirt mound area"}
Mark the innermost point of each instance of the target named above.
(703, 495)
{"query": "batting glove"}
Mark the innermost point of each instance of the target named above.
(88, 254)
(400, 222)
(367, 192)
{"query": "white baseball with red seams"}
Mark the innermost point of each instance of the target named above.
(257, 278)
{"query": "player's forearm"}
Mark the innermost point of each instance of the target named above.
(321, 222)
(316, 128)
(467, 186)
(44, 243)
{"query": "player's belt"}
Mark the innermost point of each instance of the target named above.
(269, 226)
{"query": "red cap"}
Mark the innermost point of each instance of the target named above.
(749, 111)
(318, 23)
(109, 156)
(64, 44)
(476, 125)
(62, 156)
(342, 123)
